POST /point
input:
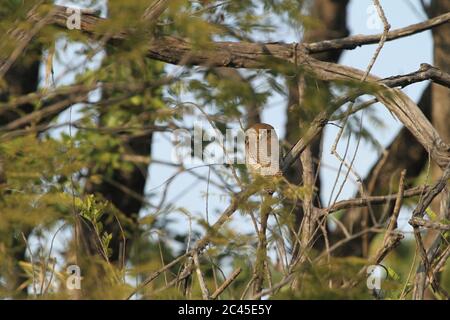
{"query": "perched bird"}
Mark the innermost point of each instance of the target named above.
(262, 150)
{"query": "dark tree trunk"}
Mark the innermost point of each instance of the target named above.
(125, 190)
(21, 79)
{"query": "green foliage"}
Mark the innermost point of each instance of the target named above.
(92, 210)
(324, 281)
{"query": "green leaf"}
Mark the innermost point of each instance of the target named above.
(433, 216)
(392, 274)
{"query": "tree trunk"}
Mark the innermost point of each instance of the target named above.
(331, 17)
(21, 79)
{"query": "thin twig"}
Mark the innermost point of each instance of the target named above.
(201, 280)
(32, 263)
(387, 27)
(226, 284)
(261, 251)
(398, 204)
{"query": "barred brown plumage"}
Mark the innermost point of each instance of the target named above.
(261, 149)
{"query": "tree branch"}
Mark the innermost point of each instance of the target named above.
(419, 222)
(226, 284)
(426, 72)
(155, 10)
(353, 42)
(373, 200)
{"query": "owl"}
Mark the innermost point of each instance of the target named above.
(262, 150)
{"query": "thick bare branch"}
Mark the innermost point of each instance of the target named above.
(360, 40)
(426, 72)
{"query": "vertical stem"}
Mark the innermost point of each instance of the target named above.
(201, 280)
(308, 181)
(261, 251)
